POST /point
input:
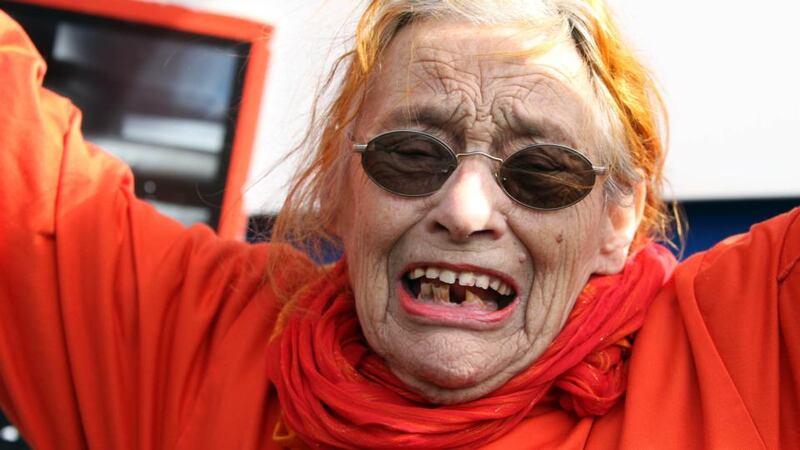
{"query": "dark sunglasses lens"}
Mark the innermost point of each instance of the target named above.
(547, 176)
(408, 163)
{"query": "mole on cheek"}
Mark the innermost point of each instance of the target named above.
(559, 238)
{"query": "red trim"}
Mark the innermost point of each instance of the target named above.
(232, 217)
(169, 16)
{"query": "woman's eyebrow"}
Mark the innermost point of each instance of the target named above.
(542, 127)
(421, 115)
(441, 117)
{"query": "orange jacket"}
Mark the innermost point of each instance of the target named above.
(121, 329)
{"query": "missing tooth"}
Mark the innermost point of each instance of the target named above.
(438, 292)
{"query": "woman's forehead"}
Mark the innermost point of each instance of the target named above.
(453, 75)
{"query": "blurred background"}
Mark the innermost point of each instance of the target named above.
(173, 107)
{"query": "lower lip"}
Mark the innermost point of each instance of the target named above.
(453, 315)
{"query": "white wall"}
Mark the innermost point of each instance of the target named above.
(731, 78)
(728, 69)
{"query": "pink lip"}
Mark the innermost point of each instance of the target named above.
(453, 316)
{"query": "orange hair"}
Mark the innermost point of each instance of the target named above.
(635, 102)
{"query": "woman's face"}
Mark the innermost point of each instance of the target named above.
(449, 337)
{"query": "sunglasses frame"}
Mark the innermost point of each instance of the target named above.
(596, 170)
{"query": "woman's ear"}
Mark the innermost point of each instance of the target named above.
(335, 227)
(621, 222)
(339, 199)
(340, 220)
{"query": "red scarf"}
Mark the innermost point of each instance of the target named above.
(335, 392)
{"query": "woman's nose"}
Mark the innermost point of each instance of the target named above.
(468, 205)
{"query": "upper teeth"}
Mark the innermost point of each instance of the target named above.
(464, 278)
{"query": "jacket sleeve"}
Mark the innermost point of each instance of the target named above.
(109, 312)
(717, 362)
(748, 294)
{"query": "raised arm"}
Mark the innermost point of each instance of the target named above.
(110, 314)
(720, 349)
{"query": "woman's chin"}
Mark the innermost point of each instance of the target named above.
(446, 387)
(447, 364)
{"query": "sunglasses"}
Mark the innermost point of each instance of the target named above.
(416, 164)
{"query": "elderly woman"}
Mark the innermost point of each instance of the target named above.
(492, 171)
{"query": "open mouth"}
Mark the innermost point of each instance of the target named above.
(462, 289)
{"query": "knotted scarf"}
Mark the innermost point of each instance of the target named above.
(335, 392)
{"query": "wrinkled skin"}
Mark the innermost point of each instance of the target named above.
(495, 104)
